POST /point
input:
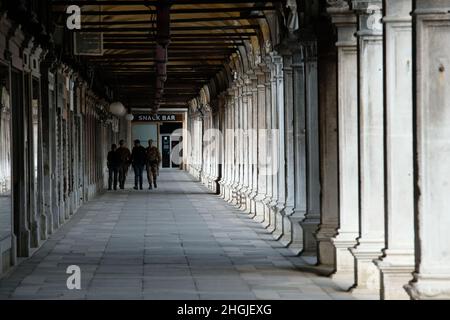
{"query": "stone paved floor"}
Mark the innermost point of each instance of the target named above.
(178, 242)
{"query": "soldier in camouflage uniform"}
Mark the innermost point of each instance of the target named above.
(125, 160)
(153, 161)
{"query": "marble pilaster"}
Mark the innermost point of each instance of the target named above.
(347, 99)
(397, 264)
(431, 44)
(371, 153)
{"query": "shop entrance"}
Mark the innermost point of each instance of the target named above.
(169, 153)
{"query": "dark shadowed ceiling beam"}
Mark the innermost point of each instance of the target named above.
(155, 2)
(173, 11)
(189, 20)
(147, 29)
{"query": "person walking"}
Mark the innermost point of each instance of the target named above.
(113, 167)
(125, 160)
(138, 160)
(153, 162)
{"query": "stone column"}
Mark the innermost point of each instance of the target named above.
(231, 142)
(19, 157)
(431, 44)
(371, 169)
(46, 104)
(247, 154)
(347, 82)
(273, 142)
(225, 149)
(289, 185)
(243, 154)
(312, 218)
(254, 143)
(329, 162)
(299, 144)
(397, 264)
(278, 204)
(270, 167)
(262, 151)
(234, 124)
(236, 150)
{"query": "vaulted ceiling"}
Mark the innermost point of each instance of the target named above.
(204, 35)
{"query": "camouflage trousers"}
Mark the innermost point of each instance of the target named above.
(152, 172)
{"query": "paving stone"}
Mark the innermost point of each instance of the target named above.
(177, 242)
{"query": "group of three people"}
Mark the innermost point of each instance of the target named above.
(120, 159)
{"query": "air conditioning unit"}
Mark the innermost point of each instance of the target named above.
(89, 43)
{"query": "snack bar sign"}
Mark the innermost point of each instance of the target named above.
(155, 117)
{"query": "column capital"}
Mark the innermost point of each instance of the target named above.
(345, 21)
(338, 4)
(431, 7)
(366, 6)
(370, 15)
(398, 13)
(341, 14)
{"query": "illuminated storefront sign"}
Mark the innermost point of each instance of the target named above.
(157, 117)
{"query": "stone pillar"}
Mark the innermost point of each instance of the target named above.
(431, 44)
(236, 154)
(289, 185)
(225, 149)
(270, 167)
(46, 105)
(230, 143)
(272, 181)
(312, 219)
(278, 205)
(247, 148)
(243, 154)
(397, 264)
(254, 143)
(299, 123)
(19, 158)
(371, 134)
(329, 162)
(262, 151)
(347, 82)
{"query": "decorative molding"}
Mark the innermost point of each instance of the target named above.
(338, 4)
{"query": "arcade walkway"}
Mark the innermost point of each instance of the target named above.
(178, 242)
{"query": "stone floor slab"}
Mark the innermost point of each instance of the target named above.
(177, 242)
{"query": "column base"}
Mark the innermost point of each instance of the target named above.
(249, 203)
(325, 249)
(396, 270)
(268, 215)
(297, 233)
(242, 197)
(226, 192)
(344, 275)
(367, 273)
(310, 226)
(24, 244)
(278, 231)
(43, 227)
(260, 210)
(234, 195)
(34, 234)
(271, 206)
(429, 287)
(252, 203)
(286, 238)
